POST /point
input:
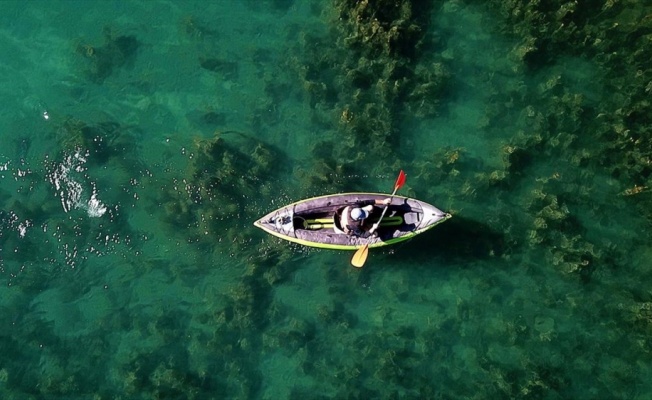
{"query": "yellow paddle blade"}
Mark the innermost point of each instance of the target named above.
(360, 256)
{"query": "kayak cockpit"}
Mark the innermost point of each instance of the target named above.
(332, 221)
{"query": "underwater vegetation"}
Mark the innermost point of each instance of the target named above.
(578, 146)
(564, 140)
(227, 69)
(212, 352)
(330, 175)
(103, 141)
(116, 52)
(604, 35)
(561, 121)
(222, 171)
(375, 74)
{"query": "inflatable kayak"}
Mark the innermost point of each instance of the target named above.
(316, 222)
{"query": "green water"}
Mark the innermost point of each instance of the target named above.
(140, 140)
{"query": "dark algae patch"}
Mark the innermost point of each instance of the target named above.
(116, 52)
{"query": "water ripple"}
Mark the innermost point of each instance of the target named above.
(68, 178)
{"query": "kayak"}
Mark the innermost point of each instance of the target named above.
(315, 222)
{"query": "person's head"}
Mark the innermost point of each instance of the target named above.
(359, 214)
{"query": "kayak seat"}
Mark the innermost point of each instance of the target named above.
(411, 218)
(337, 224)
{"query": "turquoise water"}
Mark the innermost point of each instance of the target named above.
(140, 140)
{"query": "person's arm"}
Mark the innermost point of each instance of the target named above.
(377, 202)
(361, 233)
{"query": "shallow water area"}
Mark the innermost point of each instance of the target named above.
(140, 140)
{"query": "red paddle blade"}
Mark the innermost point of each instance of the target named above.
(400, 181)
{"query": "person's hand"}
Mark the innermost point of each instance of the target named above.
(387, 201)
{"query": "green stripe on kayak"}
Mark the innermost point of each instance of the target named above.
(326, 223)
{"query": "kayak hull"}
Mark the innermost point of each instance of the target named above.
(315, 222)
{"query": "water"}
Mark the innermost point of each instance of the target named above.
(139, 141)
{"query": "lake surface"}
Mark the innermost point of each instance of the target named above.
(140, 140)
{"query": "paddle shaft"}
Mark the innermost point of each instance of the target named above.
(400, 181)
(377, 224)
(360, 256)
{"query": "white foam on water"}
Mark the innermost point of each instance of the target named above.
(22, 228)
(71, 191)
(95, 207)
(14, 222)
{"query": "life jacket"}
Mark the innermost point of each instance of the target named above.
(349, 225)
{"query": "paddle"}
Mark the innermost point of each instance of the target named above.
(361, 254)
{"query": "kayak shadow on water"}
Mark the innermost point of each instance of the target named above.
(458, 239)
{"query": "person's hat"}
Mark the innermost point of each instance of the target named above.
(358, 214)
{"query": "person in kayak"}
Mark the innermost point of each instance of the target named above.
(353, 217)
